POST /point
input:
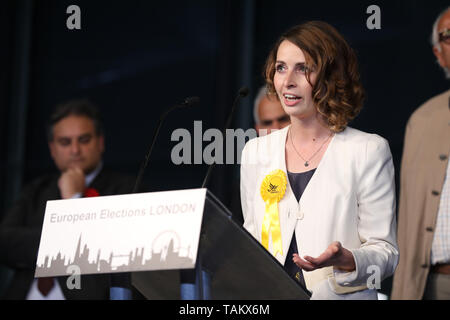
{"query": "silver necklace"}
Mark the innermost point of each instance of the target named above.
(306, 164)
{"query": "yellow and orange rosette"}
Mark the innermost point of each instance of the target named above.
(273, 189)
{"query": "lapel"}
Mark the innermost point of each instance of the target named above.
(289, 201)
(99, 182)
(53, 191)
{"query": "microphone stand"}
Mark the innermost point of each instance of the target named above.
(243, 92)
(186, 103)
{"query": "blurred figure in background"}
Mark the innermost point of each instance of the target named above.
(424, 207)
(76, 142)
(268, 113)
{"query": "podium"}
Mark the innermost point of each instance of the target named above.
(231, 265)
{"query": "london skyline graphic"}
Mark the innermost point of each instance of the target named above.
(134, 260)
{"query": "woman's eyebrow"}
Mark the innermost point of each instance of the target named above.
(298, 63)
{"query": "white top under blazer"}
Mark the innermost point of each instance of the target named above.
(350, 198)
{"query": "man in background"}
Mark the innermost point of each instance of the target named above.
(268, 113)
(76, 142)
(424, 207)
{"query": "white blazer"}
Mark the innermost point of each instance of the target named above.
(350, 198)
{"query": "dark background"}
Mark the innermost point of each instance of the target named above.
(136, 58)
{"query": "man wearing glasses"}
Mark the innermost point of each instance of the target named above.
(424, 206)
(441, 41)
(268, 113)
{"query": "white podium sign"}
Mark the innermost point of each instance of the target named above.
(135, 232)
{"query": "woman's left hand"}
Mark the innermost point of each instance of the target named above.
(335, 255)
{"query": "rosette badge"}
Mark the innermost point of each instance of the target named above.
(273, 189)
(91, 192)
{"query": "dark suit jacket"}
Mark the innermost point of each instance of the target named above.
(20, 234)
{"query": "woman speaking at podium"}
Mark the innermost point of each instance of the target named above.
(319, 195)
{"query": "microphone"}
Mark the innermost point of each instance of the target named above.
(243, 92)
(188, 102)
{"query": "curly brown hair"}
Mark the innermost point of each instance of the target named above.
(337, 91)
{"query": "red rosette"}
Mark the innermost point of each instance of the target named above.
(91, 192)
